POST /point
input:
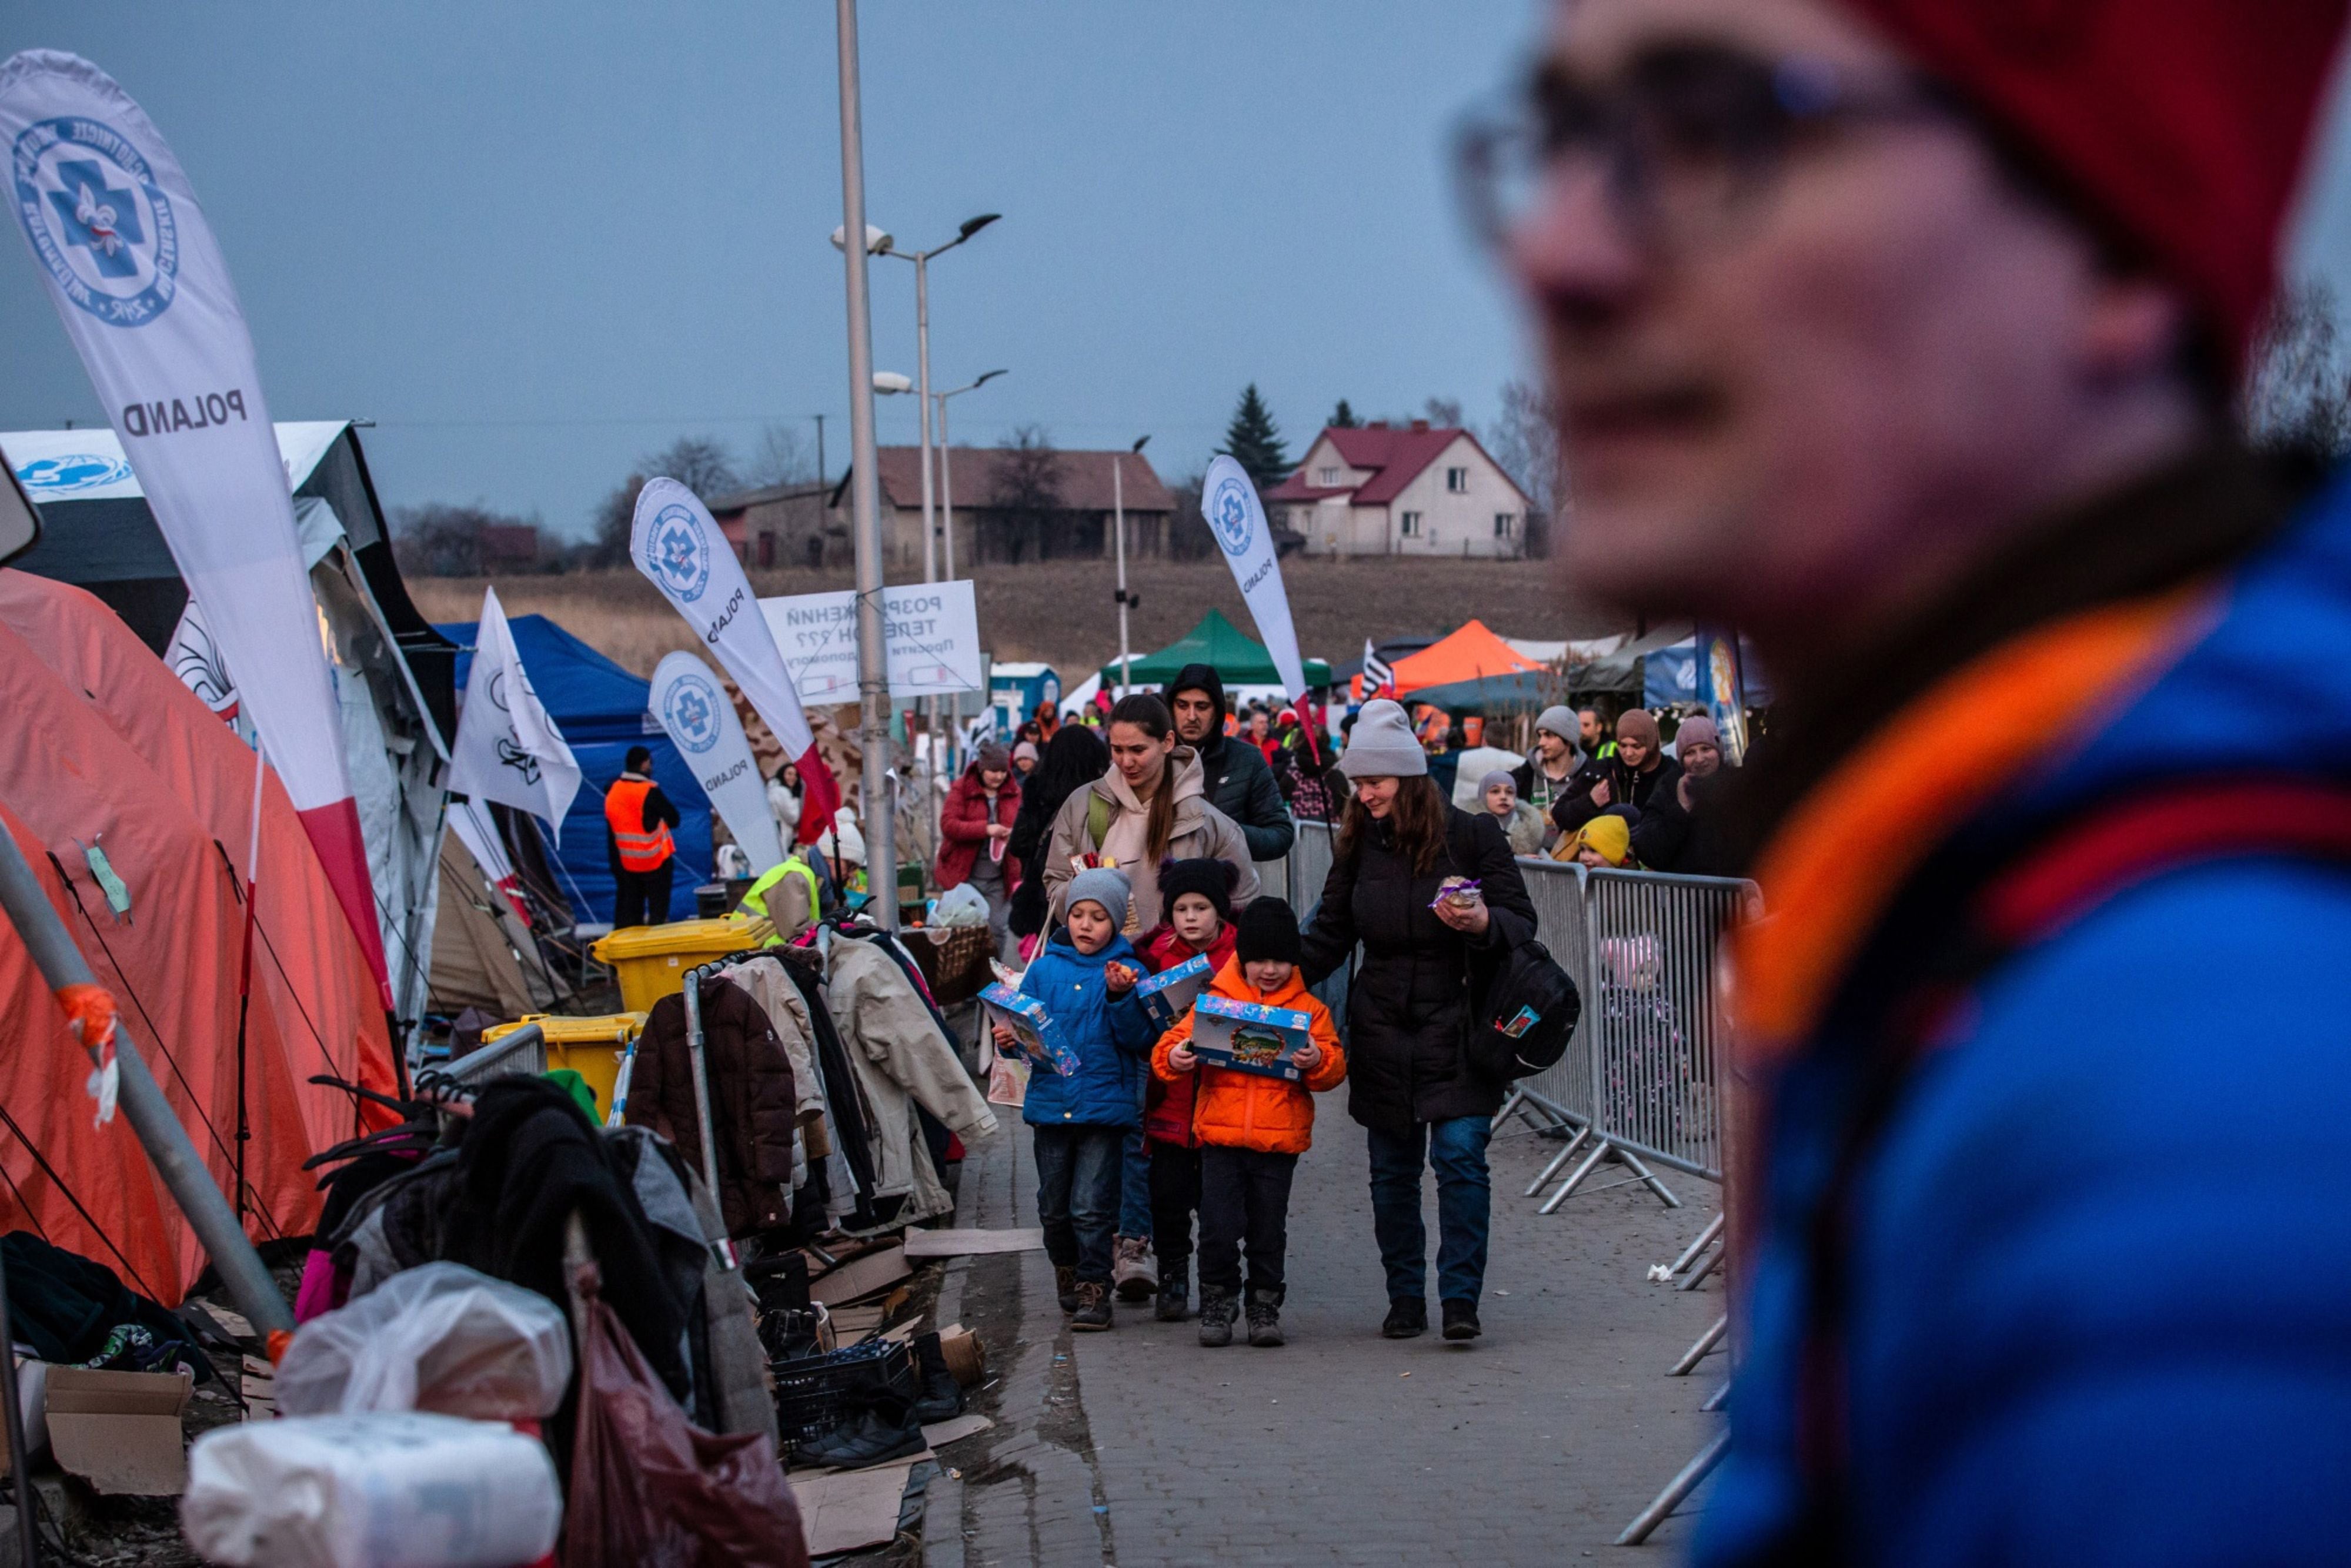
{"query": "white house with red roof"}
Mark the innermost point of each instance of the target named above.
(1384, 489)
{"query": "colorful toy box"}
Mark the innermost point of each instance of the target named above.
(1031, 1024)
(1168, 995)
(1249, 1036)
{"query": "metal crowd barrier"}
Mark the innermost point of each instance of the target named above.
(522, 1052)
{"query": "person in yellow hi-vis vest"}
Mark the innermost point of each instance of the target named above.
(787, 895)
(637, 821)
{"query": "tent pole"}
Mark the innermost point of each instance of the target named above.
(245, 973)
(159, 1131)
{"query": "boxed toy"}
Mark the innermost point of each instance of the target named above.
(1169, 994)
(1031, 1024)
(1249, 1036)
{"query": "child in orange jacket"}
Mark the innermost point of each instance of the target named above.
(1198, 895)
(1253, 1128)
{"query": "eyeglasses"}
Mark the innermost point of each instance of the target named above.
(1690, 137)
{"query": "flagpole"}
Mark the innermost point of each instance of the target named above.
(244, 969)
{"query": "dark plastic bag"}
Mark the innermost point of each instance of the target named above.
(649, 1488)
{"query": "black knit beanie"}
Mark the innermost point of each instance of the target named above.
(1269, 930)
(1211, 879)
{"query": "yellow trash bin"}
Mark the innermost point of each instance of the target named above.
(590, 1047)
(651, 960)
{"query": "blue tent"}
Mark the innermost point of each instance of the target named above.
(601, 710)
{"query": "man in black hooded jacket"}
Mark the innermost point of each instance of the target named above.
(1237, 779)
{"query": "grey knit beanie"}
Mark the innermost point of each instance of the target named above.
(1559, 719)
(1384, 745)
(1495, 775)
(1102, 885)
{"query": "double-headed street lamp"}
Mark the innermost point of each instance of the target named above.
(946, 455)
(1118, 523)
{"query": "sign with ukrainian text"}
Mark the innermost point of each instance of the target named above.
(931, 631)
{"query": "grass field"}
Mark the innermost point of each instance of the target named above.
(1060, 611)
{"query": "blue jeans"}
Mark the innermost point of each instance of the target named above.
(1134, 1186)
(1076, 1196)
(1456, 1149)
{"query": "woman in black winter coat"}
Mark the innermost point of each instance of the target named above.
(1074, 758)
(1411, 1004)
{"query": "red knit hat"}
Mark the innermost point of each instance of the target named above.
(2184, 121)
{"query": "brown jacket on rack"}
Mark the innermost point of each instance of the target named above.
(751, 1100)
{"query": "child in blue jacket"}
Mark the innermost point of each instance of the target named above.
(1086, 976)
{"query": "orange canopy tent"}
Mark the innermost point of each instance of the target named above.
(104, 750)
(1471, 653)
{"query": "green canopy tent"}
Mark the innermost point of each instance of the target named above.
(1238, 659)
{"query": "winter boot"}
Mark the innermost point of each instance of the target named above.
(880, 1426)
(1461, 1321)
(1173, 1281)
(1217, 1311)
(1407, 1318)
(1264, 1319)
(938, 1396)
(1092, 1315)
(1065, 1286)
(1133, 1275)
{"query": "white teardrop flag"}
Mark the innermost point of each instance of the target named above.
(144, 292)
(698, 717)
(507, 749)
(675, 543)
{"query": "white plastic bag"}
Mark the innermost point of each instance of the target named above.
(962, 905)
(439, 1337)
(389, 1490)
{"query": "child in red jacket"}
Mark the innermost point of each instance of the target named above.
(1199, 902)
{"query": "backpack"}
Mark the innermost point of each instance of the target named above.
(1531, 1012)
(1530, 1005)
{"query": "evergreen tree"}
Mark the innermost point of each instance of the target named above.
(1254, 442)
(1342, 417)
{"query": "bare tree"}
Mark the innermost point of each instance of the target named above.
(783, 457)
(2299, 391)
(700, 463)
(1027, 492)
(440, 540)
(1524, 440)
(1189, 537)
(615, 516)
(1442, 413)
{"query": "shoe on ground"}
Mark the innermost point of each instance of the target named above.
(1132, 1274)
(938, 1396)
(1264, 1319)
(1174, 1284)
(1408, 1319)
(1092, 1315)
(1461, 1321)
(1065, 1286)
(873, 1436)
(1217, 1311)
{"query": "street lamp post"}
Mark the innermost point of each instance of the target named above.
(1125, 600)
(946, 459)
(866, 502)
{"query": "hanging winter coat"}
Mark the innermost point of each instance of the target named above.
(751, 1100)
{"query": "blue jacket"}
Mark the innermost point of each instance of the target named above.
(2101, 1251)
(1112, 1038)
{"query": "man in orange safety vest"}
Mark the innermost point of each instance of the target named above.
(637, 821)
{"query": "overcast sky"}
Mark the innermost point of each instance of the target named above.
(534, 242)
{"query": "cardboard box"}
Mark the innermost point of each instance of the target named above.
(1249, 1036)
(1168, 995)
(120, 1431)
(1025, 1017)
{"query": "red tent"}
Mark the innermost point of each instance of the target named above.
(106, 750)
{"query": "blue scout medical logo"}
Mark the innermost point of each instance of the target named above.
(88, 200)
(681, 554)
(691, 712)
(1228, 515)
(74, 472)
